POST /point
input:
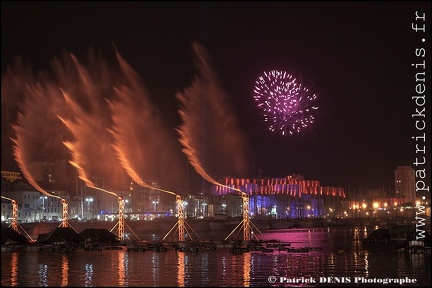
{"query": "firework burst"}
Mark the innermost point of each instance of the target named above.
(287, 104)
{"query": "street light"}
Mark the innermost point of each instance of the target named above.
(204, 210)
(186, 208)
(224, 206)
(88, 200)
(43, 206)
(155, 205)
(126, 202)
(364, 206)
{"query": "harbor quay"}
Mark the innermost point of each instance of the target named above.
(143, 227)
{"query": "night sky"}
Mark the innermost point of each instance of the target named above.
(355, 55)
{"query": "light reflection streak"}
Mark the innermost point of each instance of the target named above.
(122, 268)
(14, 268)
(356, 240)
(416, 261)
(89, 275)
(43, 275)
(181, 269)
(365, 234)
(65, 270)
(155, 272)
(224, 267)
(205, 272)
(366, 259)
(331, 263)
(246, 269)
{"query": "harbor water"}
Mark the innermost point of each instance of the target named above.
(337, 258)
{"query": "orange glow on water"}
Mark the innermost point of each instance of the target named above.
(65, 270)
(14, 268)
(181, 269)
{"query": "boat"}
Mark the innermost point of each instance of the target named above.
(380, 235)
(158, 247)
(397, 233)
(195, 246)
(136, 248)
(238, 249)
(219, 222)
(280, 246)
(393, 238)
(113, 248)
(415, 247)
(300, 250)
(93, 247)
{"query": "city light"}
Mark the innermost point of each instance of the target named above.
(89, 210)
(155, 205)
(43, 206)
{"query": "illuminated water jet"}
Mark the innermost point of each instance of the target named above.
(134, 114)
(29, 123)
(205, 113)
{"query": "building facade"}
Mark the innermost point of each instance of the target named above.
(288, 197)
(405, 184)
(33, 206)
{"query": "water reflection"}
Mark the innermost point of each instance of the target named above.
(43, 275)
(65, 270)
(88, 275)
(342, 255)
(14, 269)
(122, 268)
(181, 269)
(246, 269)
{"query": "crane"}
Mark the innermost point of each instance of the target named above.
(181, 223)
(246, 223)
(14, 224)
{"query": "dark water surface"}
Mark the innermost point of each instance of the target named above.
(341, 257)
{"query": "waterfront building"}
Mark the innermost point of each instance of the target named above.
(291, 197)
(405, 184)
(33, 206)
(288, 197)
